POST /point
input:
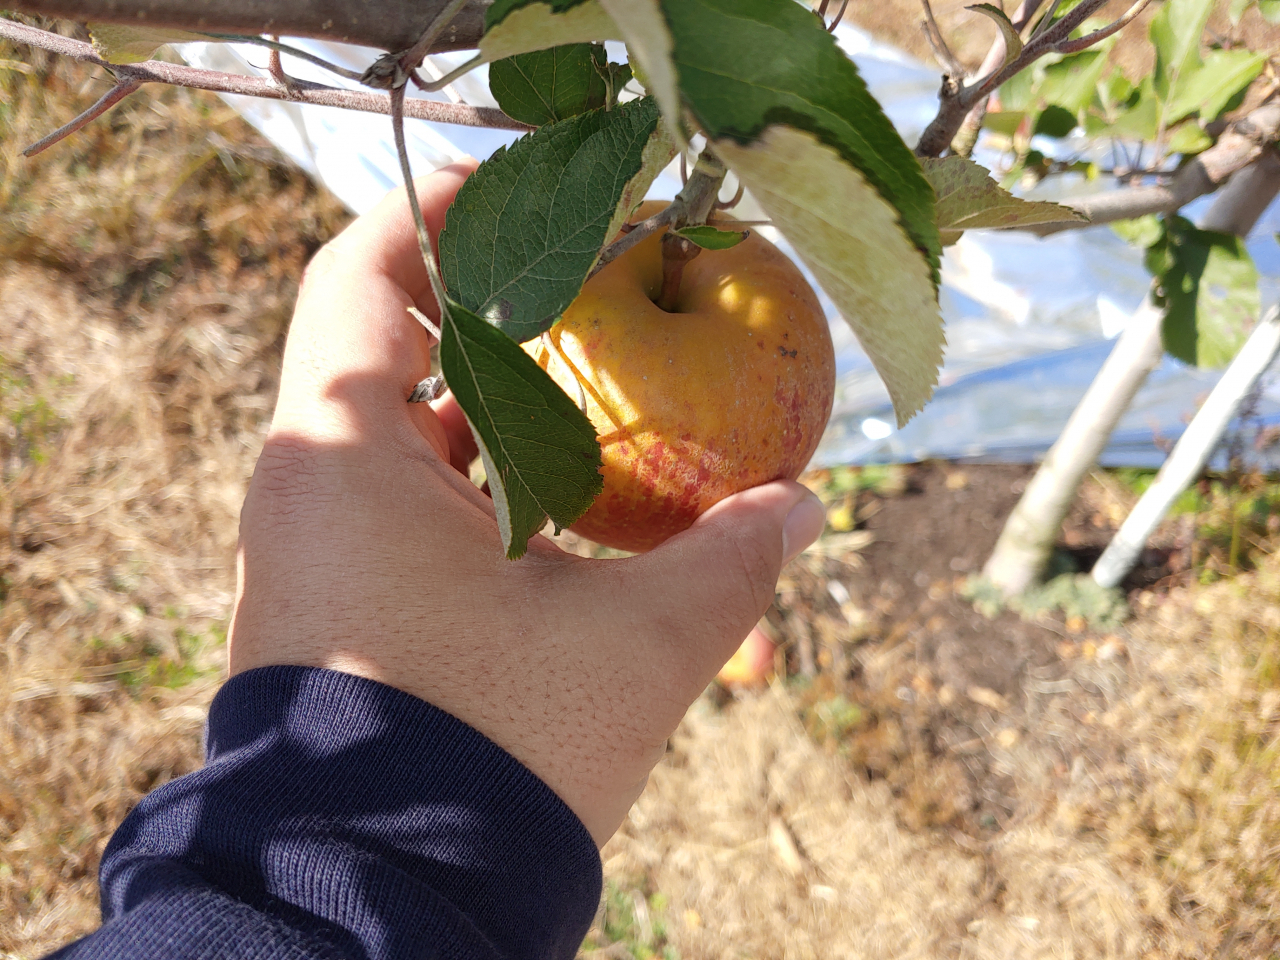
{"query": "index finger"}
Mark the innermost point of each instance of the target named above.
(351, 326)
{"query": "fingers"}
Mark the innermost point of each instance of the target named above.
(352, 338)
(717, 578)
(462, 442)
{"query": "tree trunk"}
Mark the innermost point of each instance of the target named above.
(386, 24)
(1026, 542)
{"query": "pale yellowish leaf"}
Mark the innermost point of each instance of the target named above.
(850, 237)
(969, 198)
(536, 27)
(649, 46)
(1012, 42)
(657, 153)
(122, 44)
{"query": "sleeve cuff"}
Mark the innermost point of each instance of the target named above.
(367, 818)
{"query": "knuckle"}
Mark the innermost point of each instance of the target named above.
(755, 567)
(289, 475)
(321, 265)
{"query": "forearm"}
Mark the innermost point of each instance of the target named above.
(339, 817)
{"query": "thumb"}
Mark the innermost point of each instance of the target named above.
(717, 578)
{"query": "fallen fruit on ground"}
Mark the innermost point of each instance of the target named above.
(731, 389)
(751, 664)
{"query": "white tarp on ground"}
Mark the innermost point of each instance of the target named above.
(1029, 320)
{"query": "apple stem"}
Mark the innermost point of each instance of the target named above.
(676, 252)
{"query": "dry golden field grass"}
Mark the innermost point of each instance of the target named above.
(1118, 798)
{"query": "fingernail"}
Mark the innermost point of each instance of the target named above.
(803, 526)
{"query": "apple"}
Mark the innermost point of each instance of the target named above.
(751, 664)
(731, 389)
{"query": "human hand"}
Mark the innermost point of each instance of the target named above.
(365, 548)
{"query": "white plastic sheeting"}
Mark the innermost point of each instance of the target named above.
(1029, 320)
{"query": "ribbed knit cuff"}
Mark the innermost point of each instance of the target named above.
(369, 819)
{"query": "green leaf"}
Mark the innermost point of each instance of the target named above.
(1054, 121)
(1072, 82)
(1188, 138)
(1140, 231)
(852, 239)
(746, 65)
(548, 85)
(1139, 122)
(540, 452)
(527, 226)
(1208, 286)
(1012, 42)
(120, 44)
(1270, 10)
(1176, 30)
(499, 10)
(1209, 88)
(616, 76)
(968, 198)
(1069, 82)
(657, 153)
(709, 238)
(520, 26)
(1236, 9)
(1003, 122)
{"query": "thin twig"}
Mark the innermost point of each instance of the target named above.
(277, 48)
(419, 50)
(276, 69)
(691, 205)
(406, 171)
(737, 198)
(831, 28)
(966, 136)
(957, 100)
(394, 69)
(938, 42)
(105, 103)
(638, 232)
(550, 343)
(1046, 20)
(180, 75)
(1084, 43)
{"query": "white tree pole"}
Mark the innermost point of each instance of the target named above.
(1026, 542)
(1192, 450)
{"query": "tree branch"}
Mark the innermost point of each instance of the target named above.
(967, 133)
(1249, 140)
(692, 205)
(957, 100)
(156, 71)
(105, 103)
(386, 24)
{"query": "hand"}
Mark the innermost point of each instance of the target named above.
(365, 548)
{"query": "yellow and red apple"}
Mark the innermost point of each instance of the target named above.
(730, 390)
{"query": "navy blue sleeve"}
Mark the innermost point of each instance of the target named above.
(337, 817)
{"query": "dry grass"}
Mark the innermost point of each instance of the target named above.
(146, 275)
(1148, 821)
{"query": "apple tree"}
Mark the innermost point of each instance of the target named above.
(756, 89)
